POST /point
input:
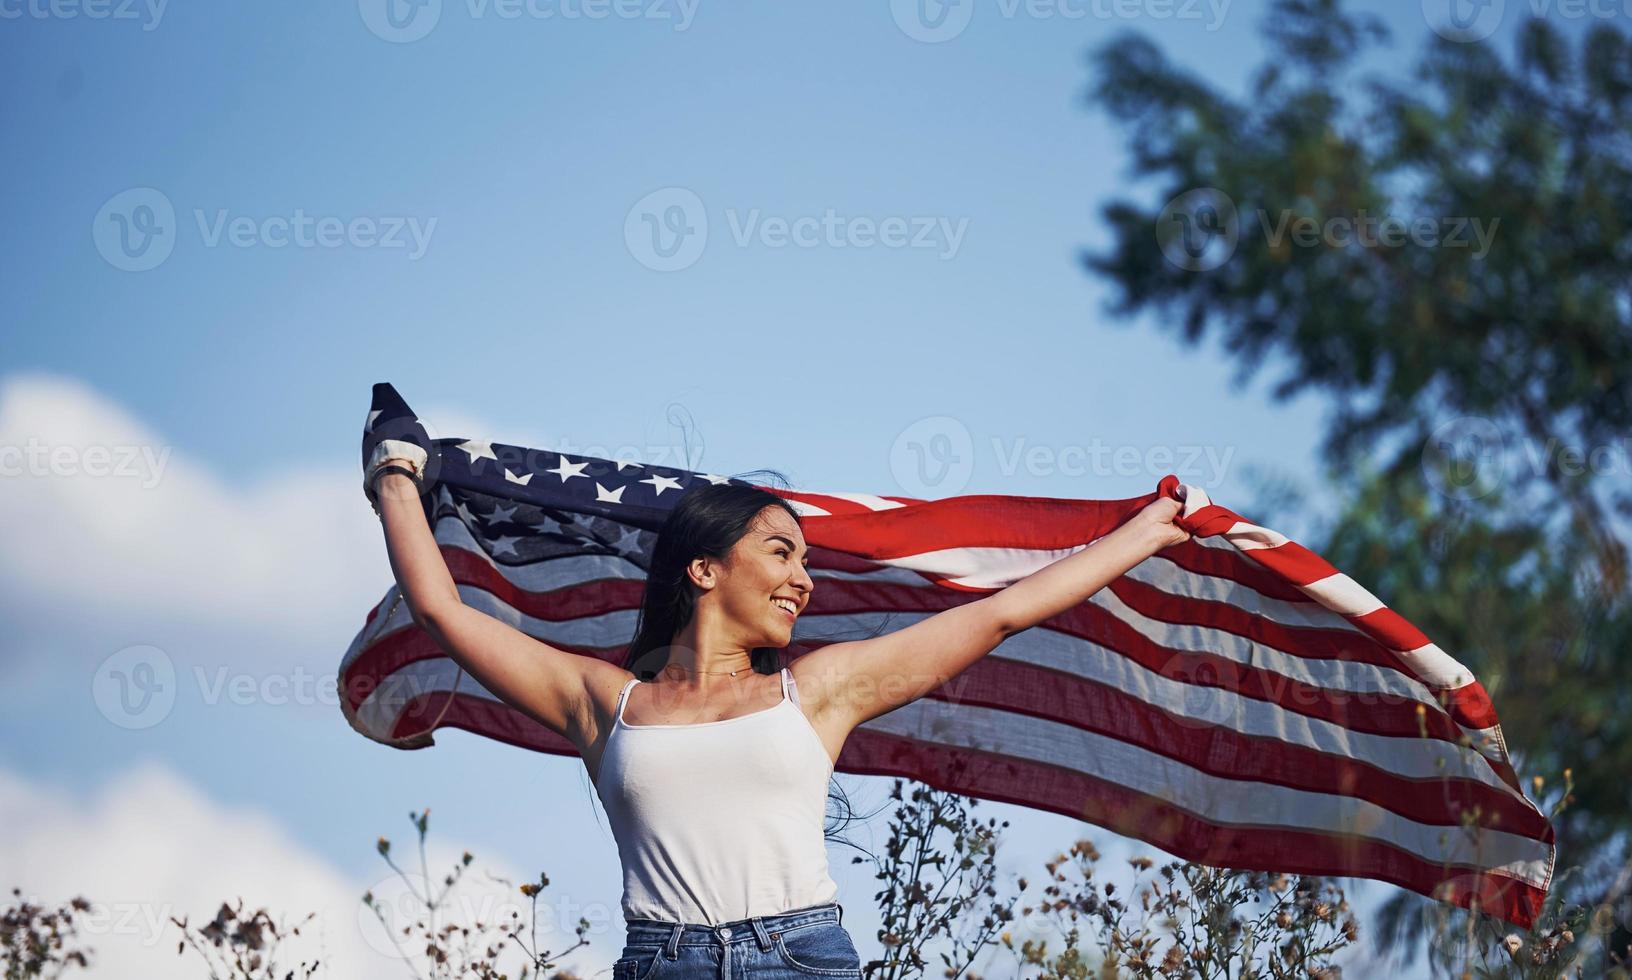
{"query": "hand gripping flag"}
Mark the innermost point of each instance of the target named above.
(1234, 700)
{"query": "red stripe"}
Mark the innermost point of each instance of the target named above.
(833, 505)
(978, 521)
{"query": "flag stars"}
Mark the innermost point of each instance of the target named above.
(603, 495)
(505, 545)
(478, 450)
(628, 541)
(568, 469)
(715, 478)
(627, 462)
(501, 513)
(372, 415)
(661, 483)
(520, 480)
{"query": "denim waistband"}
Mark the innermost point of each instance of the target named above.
(757, 927)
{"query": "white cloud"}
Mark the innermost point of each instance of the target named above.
(149, 845)
(103, 516)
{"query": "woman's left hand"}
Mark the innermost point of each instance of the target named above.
(1157, 520)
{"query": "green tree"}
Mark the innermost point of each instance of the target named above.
(1481, 389)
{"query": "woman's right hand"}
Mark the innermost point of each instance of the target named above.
(392, 433)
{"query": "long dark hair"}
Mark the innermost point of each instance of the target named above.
(708, 521)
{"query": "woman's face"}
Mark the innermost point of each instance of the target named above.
(764, 572)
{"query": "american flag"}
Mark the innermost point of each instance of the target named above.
(1235, 700)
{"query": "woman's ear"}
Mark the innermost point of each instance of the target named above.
(702, 572)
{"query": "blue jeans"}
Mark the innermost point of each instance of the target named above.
(807, 942)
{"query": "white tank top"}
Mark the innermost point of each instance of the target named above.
(719, 820)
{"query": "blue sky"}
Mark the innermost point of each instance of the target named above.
(531, 307)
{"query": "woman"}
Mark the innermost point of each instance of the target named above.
(711, 759)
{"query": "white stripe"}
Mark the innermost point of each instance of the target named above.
(1344, 595)
(1220, 800)
(1160, 572)
(1251, 537)
(981, 568)
(871, 501)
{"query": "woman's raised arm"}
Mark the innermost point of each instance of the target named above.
(545, 682)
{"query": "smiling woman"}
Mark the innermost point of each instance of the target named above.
(716, 796)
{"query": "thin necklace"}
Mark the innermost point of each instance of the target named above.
(732, 673)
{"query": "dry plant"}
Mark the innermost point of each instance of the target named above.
(449, 950)
(39, 943)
